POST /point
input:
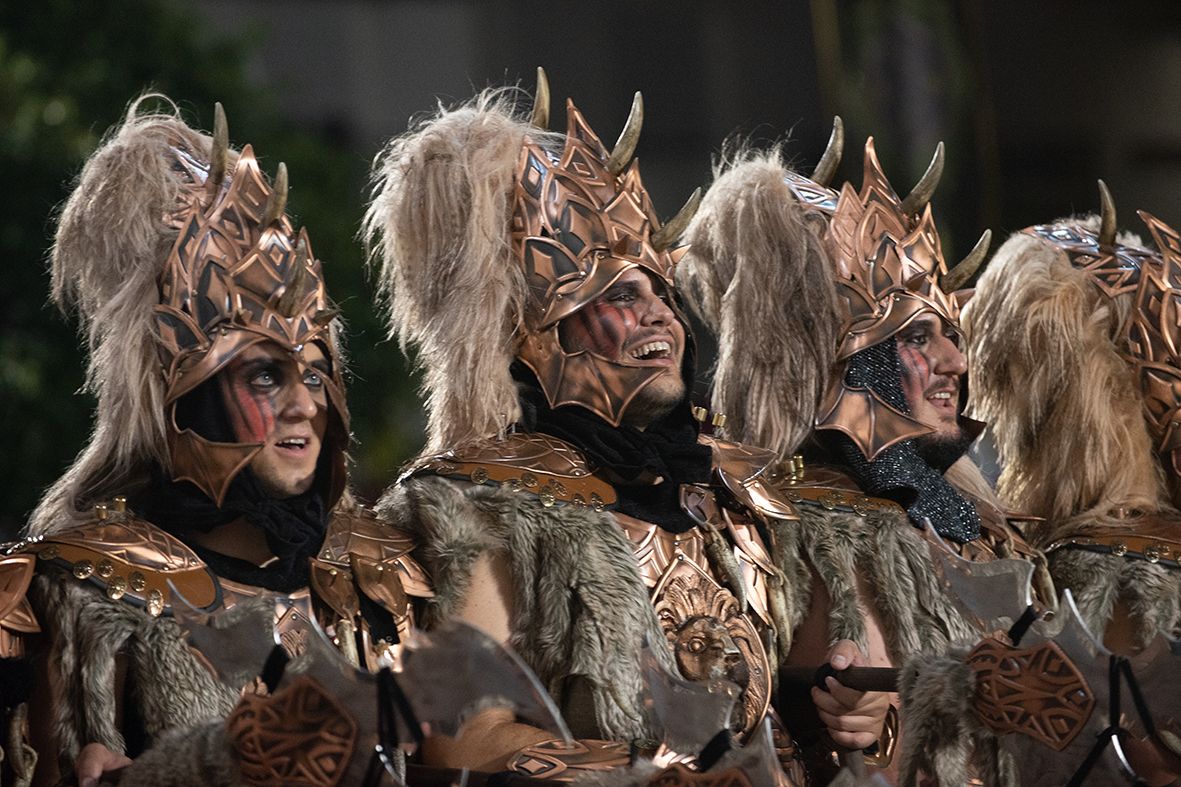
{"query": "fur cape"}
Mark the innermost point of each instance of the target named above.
(86, 634)
(579, 606)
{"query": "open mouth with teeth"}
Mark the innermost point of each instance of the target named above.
(294, 445)
(652, 351)
(944, 400)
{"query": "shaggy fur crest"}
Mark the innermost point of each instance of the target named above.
(1047, 376)
(438, 229)
(758, 276)
(110, 245)
(580, 607)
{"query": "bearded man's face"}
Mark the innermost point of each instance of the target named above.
(632, 323)
(932, 368)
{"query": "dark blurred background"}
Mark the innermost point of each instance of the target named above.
(1034, 100)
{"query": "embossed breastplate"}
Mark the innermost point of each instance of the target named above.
(714, 629)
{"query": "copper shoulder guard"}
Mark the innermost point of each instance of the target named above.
(359, 545)
(824, 486)
(553, 471)
(16, 614)
(131, 560)
(746, 472)
(1151, 537)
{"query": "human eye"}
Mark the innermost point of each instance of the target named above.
(313, 378)
(265, 378)
(917, 338)
(621, 295)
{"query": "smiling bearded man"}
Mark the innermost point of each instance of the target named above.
(565, 500)
(216, 471)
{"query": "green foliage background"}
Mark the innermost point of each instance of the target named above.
(67, 73)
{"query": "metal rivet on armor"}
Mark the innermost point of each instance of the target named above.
(49, 553)
(479, 476)
(547, 499)
(719, 420)
(105, 568)
(1153, 553)
(380, 567)
(100, 510)
(578, 500)
(155, 603)
(1119, 549)
(137, 581)
(700, 413)
(332, 572)
(559, 488)
(83, 569)
(596, 501)
(529, 480)
(513, 485)
(120, 503)
(117, 588)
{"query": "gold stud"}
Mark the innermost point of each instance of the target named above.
(1119, 549)
(137, 581)
(558, 487)
(1153, 553)
(83, 569)
(700, 413)
(100, 510)
(719, 420)
(120, 503)
(479, 476)
(155, 603)
(547, 499)
(529, 480)
(105, 568)
(332, 572)
(578, 500)
(596, 501)
(116, 588)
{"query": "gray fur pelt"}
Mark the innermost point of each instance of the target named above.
(198, 756)
(1097, 582)
(943, 737)
(86, 632)
(890, 555)
(579, 606)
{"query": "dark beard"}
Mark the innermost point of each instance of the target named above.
(941, 451)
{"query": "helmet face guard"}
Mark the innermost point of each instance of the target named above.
(238, 276)
(581, 220)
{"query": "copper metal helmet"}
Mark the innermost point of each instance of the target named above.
(1150, 337)
(237, 276)
(889, 268)
(581, 219)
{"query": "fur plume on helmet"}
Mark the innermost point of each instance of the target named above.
(1047, 376)
(758, 275)
(110, 245)
(439, 231)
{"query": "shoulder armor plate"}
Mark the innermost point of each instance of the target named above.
(1151, 537)
(825, 487)
(537, 464)
(130, 559)
(16, 614)
(744, 471)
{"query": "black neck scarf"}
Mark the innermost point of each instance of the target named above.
(910, 472)
(667, 449)
(294, 527)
